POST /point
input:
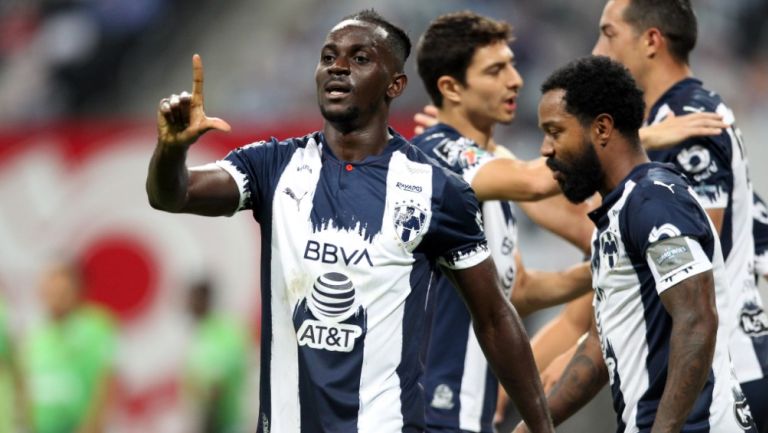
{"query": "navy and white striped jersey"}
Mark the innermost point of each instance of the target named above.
(760, 234)
(717, 169)
(348, 254)
(653, 233)
(460, 388)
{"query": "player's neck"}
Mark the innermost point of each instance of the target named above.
(356, 144)
(479, 133)
(660, 79)
(618, 163)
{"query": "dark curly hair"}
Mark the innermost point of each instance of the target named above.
(450, 42)
(397, 39)
(675, 20)
(597, 85)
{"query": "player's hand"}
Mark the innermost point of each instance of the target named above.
(673, 129)
(554, 371)
(425, 119)
(501, 407)
(181, 119)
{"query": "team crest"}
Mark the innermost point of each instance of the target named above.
(694, 159)
(410, 221)
(609, 249)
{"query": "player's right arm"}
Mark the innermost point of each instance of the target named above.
(171, 186)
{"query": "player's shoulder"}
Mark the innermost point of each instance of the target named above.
(450, 149)
(690, 96)
(659, 183)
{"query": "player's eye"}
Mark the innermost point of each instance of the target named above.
(327, 58)
(360, 59)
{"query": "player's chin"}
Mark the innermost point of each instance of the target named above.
(338, 113)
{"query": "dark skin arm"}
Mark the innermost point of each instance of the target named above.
(503, 339)
(171, 187)
(691, 303)
(583, 378)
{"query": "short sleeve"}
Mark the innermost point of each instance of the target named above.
(707, 166)
(456, 238)
(760, 234)
(671, 232)
(462, 156)
(254, 168)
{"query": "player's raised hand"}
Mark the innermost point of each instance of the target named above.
(427, 118)
(676, 129)
(181, 119)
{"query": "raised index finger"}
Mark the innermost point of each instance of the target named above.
(197, 81)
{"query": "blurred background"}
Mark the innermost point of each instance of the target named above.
(79, 84)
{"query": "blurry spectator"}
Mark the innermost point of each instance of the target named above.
(215, 372)
(68, 359)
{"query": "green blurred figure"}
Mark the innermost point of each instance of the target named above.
(216, 367)
(69, 359)
(6, 382)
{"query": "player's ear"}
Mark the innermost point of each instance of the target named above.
(601, 130)
(397, 86)
(653, 40)
(450, 88)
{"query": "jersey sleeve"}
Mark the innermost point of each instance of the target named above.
(456, 238)
(462, 157)
(671, 231)
(760, 234)
(254, 167)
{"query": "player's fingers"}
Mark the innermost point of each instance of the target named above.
(418, 130)
(164, 110)
(215, 123)
(424, 120)
(430, 110)
(176, 110)
(197, 81)
(185, 101)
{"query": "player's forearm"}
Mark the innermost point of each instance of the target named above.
(562, 332)
(168, 178)
(507, 348)
(691, 348)
(544, 289)
(582, 379)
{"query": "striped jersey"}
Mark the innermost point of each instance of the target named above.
(652, 233)
(348, 254)
(760, 234)
(460, 388)
(717, 169)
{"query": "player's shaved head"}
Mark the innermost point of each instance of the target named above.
(397, 40)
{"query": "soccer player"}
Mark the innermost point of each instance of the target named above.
(657, 266)
(760, 234)
(216, 365)
(653, 39)
(467, 67)
(354, 221)
(68, 361)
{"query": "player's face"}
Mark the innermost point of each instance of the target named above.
(618, 39)
(355, 69)
(59, 291)
(568, 148)
(492, 85)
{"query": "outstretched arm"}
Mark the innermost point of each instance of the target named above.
(535, 289)
(502, 336)
(171, 187)
(674, 130)
(584, 377)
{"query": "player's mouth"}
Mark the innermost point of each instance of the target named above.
(337, 89)
(510, 104)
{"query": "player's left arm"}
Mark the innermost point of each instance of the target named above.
(502, 336)
(691, 303)
(676, 129)
(535, 289)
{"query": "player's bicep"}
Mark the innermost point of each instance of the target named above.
(212, 191)
(691, 301)
(511, 179)
(479, 288)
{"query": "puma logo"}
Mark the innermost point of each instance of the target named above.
(690, 109)
(656, 182)
(295, 197)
